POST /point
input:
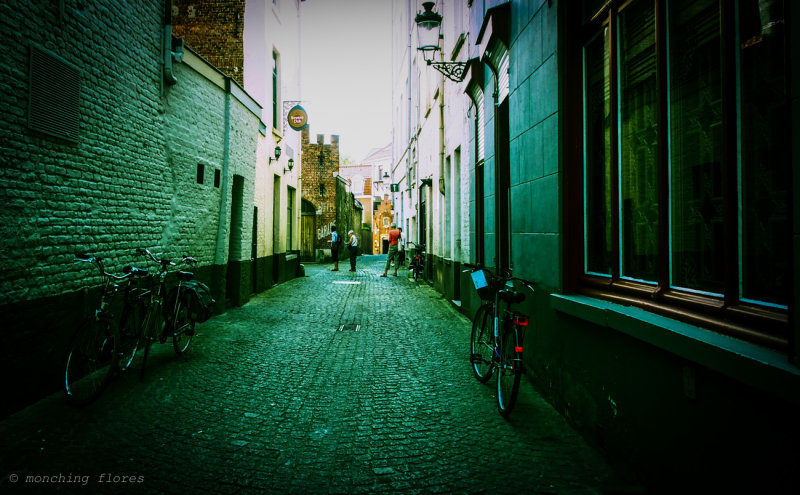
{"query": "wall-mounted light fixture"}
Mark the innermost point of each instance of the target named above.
(291, 165)
(441, 185)
(429, 32)
(277, 154)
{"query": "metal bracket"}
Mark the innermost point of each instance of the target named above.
(455, 71)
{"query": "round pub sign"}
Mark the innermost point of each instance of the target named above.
(298, 118)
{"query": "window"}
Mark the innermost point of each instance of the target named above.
(201, 173)
(275, 91)
(54, 95)
(475, 91)
(685, 165)
(216, 178)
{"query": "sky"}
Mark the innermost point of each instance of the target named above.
(346, 73)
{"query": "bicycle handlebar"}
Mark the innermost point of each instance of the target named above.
(500, 279)
(163, 261)
(134, 271)
(98, 262)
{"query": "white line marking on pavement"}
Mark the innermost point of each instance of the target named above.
(347, 282)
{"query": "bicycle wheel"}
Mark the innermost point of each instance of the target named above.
(481, 343)
(90, 361)
(152, 329)
(130, 335)
(182, 326)
(509, 370)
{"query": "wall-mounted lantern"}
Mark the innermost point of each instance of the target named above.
(429, 32)
(277, 154)
(291, 165)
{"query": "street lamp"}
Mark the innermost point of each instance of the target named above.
(291, 165)
(429, 32)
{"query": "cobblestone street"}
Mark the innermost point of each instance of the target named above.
(337, 382)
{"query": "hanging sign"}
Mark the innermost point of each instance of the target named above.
(298, 118)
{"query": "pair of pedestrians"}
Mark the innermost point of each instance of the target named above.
(352, 245)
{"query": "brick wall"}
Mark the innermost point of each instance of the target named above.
(214, 30)
(128, 178)
(62, 196)
(320, 184)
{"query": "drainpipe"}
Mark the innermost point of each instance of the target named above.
(219, 255)
(408, 90)
(169, 77)
(442, 172)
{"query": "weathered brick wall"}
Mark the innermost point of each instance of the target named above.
(214, 29)
(195, 130)
(106, 192)
(129, 179)
(316, 173)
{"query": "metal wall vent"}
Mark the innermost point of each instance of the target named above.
(54, 99)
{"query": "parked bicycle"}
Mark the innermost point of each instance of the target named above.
(103, 345)
(93, 352)
(158, 313)
(416, 264)
(496, 343)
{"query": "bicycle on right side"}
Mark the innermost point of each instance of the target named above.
(498, 332)
(416, 264)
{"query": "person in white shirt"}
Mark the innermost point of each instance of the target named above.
(352, 244)
(335, 243)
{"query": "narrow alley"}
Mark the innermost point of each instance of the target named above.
(335, 382)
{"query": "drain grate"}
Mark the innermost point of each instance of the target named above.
(349, 326)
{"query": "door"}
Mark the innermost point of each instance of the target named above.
(307, 231)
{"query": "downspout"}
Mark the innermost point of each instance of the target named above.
(219, 255)
(408, 89)
(169, 77)
(442, 172)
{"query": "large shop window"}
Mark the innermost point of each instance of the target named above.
(686, 169)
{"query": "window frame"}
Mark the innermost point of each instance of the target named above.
(729, 314)
(276, 90)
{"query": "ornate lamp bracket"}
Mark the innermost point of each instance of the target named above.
(455, 71)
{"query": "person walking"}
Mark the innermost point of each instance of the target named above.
(394, 236)
(352, 245)
(335, 243)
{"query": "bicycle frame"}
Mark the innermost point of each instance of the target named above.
(417, 262)
(502, 352)
(92, 355)
(158, 316)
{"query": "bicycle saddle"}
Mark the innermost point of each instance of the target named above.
(511, 296)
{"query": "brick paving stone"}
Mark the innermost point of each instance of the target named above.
(334, 383)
